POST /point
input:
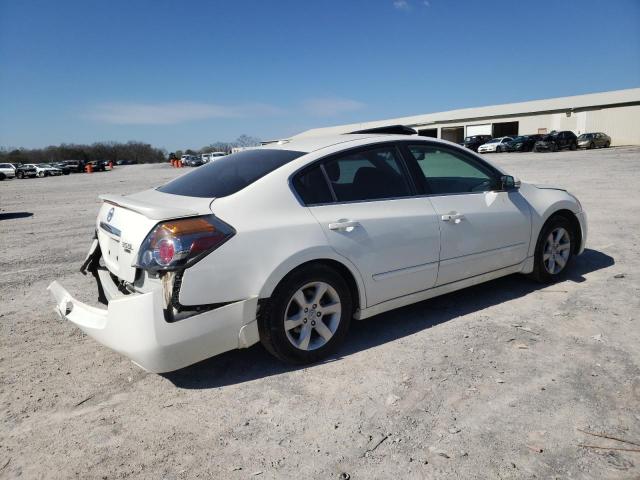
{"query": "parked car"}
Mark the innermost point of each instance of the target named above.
(594, 140)
(522, 143)
(556, 141)
(75, 166)
(187, 159)
(98, 165)
(66, 170)
(286, 243)
(45, 170)
(495, 145)
(7, 170)
(210, 157)
(474, 141)
(193, 161)
(26, 170)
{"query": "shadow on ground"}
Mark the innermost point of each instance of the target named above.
(14, 215)
(238, 366)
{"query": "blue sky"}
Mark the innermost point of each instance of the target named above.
(182, 74)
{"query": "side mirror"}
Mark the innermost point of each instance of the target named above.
(509, 182)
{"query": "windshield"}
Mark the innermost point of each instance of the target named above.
(586, 135)
(519, 139)
(230, 174)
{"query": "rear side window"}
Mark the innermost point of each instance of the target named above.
(229, 174)
(368, 175)
(312, 187)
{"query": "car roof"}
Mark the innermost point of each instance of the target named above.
(311, 144)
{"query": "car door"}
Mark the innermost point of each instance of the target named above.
(482, 228)
(371, 216)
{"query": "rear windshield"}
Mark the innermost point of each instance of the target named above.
(229, 174)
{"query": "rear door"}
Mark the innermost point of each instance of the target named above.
(365, 202)
(482, 228)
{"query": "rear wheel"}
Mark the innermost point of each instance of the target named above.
(574, 146)
(607, 145)
(2, 176)
(553, 250)
(308, 315)
(20, 175)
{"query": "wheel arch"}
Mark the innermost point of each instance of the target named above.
(347, 270)
(570, 216)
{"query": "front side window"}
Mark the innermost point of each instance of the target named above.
(446, 171)
(368, 175)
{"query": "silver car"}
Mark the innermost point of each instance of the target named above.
(594, 140)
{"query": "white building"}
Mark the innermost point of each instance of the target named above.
(616, 113)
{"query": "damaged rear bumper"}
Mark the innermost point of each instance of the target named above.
(135, 326)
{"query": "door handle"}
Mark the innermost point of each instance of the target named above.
(452, 217)
(343, 225)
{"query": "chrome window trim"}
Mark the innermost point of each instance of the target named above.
(407, 171)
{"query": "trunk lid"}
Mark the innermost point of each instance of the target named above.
(124, 221)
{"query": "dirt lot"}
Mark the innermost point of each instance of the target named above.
(489, 382)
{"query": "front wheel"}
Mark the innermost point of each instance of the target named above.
(574, 146)
(20, 175)
(554, 250)
(308, 315)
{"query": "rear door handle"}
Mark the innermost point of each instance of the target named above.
(452, 217)
(343, 225)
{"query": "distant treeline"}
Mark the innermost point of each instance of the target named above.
(134, 151)
(137, 152)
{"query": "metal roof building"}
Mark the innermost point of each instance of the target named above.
(616, 113)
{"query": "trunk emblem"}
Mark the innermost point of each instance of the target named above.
(110, 214)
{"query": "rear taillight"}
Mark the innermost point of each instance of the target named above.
(180, 243)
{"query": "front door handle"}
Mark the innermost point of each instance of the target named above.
(452, 217)
(343, 225)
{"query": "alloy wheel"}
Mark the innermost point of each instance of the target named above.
(556, 251)
(312, 316)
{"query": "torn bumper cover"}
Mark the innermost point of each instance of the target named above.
(135, 326)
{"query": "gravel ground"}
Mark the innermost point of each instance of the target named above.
(489, 382)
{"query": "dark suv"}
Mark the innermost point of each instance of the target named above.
(75, 166)
(23, 171)
(474, 141)
(557, 141)
(523, 143)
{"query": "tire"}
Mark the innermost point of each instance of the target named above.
(40, 174)
(592, 146)
(299, 287)
(573, 147)
(559, 231)
(20, 175)
(607, 145)
(2, 176)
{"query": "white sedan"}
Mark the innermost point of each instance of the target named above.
(44, 170)
(495, 145)
(287, 243)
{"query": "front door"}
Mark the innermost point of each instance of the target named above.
(482, 229)
(376, 222)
